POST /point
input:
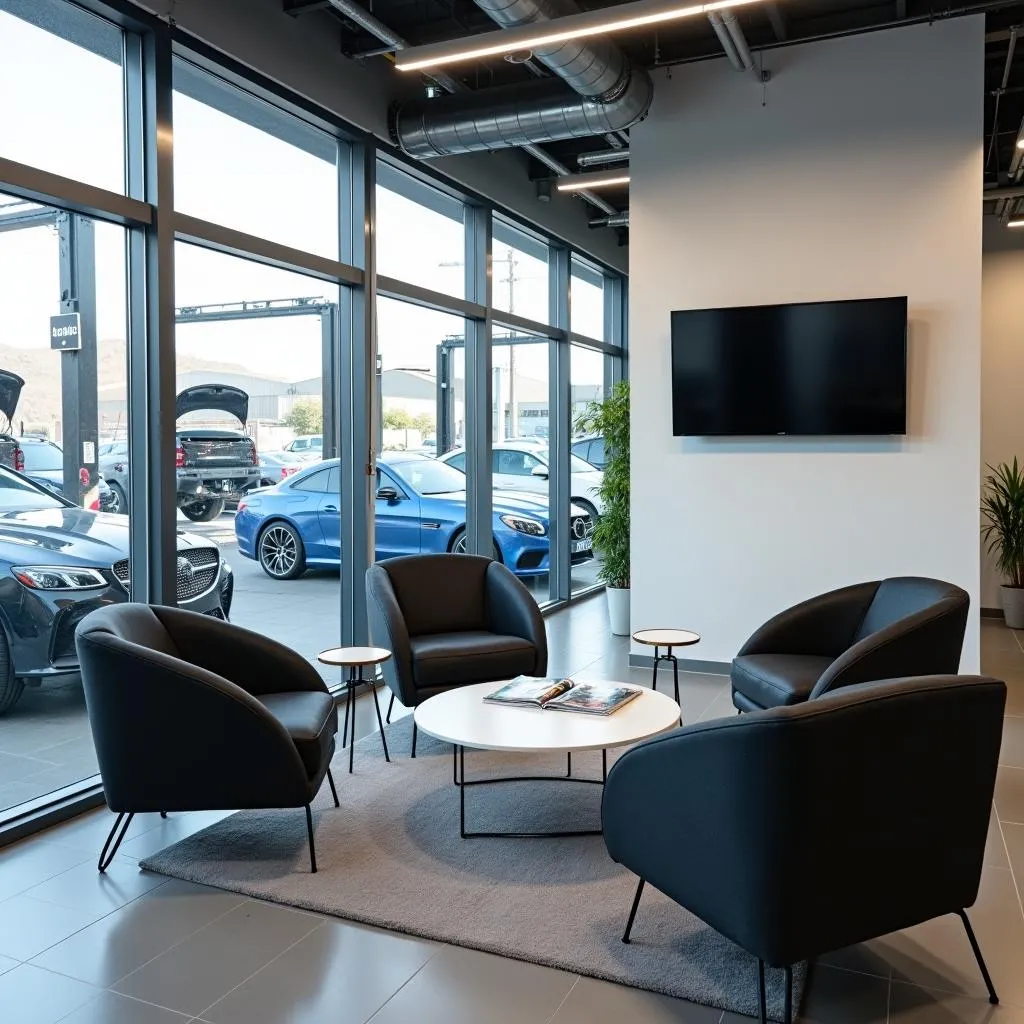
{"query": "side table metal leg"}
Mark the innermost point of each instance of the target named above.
(462, 792)
(391, 705)
(675, 673)
(654, 678)
(352, 738)
(604, 765)
(568, 764)
(380, 724)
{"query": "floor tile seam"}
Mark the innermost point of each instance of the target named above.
(263, 967)
(113, 910)
(185, 1018)
(981, 996)
(558, 1008)
(1016, 636)
(173, 945)
(1009, 860)
(438, 948)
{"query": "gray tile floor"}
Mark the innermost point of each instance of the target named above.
(134, 948)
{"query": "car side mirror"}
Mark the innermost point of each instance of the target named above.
(541, 471)
(388, 494)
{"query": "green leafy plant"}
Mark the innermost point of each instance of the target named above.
(1002, 505)
(306, 416)
(610, 419)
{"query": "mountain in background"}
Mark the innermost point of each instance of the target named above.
(40, 403)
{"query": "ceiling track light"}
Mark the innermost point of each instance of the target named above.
(638, 14)
(592, 179)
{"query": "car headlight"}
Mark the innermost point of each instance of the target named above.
(49, 577)
(523, 525)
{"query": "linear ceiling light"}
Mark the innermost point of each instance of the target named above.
(638, 14)
(592, 179)
(1017, 223)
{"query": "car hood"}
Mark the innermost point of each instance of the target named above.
(221, 397)
(70, 536)
(10, 391)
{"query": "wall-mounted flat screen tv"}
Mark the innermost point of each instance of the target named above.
(809, 368)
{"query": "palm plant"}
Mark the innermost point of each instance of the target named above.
(610, 419)
(1002, 505)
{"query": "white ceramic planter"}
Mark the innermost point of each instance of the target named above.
(618, 609)
(1013, 606)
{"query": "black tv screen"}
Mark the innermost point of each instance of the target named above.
(811, 368)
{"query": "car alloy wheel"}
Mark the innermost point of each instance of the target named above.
(459, 547)
(280, 552)
(120, 502)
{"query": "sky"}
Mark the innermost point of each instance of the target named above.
(237, 175)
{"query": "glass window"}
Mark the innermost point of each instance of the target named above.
(241, 162)
(516, 463)
(421, 234)
(587, 384)
(53, 429)
(260, 329)
(520, 272)
(62, 91)
(458, 461)
(586, 300)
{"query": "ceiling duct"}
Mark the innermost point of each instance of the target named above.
(610, 96)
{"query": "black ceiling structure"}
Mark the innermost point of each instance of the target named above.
(765, 26)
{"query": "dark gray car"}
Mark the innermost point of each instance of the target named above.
(212, 466)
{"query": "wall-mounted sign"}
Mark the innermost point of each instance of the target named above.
(66, 332)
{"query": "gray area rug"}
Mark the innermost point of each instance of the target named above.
(392, 857)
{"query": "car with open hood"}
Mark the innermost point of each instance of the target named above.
(58, 562)
(10, 392)
(213, 466)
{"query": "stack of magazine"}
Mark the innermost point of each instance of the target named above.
(564, 695)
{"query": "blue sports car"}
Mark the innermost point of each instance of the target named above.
(420, 507)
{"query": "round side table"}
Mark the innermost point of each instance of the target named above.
(667, 638)
(355, 659)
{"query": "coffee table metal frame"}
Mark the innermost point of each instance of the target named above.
(354, 659)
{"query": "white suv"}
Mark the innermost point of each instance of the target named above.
(308, 447)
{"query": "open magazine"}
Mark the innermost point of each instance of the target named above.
(564, 695)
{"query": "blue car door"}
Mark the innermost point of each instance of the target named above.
(329, 514)
(397, 524)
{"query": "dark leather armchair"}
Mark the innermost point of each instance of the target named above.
(451, 620)
(888, 629)
(805, 829)
(191, 713)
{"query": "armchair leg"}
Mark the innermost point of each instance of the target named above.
(380, 725)
(788, 1018)
(109, 851)
(632, 912)
(391, 704)
(414, 738)
(992, 997)
(312, 846)
(334, 792)
(761, 997)
(163, 814)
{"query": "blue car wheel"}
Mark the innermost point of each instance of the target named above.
(280, 552)
(458, 546)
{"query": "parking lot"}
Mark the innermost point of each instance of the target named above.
(45, 741)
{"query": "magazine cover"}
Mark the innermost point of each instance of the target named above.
(529, 690)
(594, 698)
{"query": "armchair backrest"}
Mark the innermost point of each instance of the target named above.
(806, 828)
(904, 596)
(438, 593)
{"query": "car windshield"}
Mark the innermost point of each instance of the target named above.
(17, 494)
(429, 477)
(42, 457)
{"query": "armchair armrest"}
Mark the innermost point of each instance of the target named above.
(388, 629)
(250, 660)
(171, 736)
(513, 612)
(928, 642)
(823, 625)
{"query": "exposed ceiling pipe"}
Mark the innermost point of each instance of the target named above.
(726, 40)
(365, 20)
(614, 220)
(610, 95)
(1006, 192)
(604, 156)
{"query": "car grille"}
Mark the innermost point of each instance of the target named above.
(196, 572)
(581, 527)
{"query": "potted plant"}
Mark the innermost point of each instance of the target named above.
(610, 419)
(1002, 505)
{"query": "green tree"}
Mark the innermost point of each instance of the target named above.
(424, 423)
(397, 419)
(306, 416)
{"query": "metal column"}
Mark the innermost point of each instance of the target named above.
(479, 390)
(76, 239)
(329, 379)
(151, 360)
(356, 391)
(559, 429)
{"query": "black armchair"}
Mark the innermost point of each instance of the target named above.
(191, 713)
(451, 620)
(888, 629)
(804, 829)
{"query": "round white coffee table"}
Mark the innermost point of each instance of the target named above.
(462, 717)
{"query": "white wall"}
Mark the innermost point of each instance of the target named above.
(304, 55)
(860, 175)
(1002, 365)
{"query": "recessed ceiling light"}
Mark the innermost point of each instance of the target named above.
(638, 14)
(593, 179)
